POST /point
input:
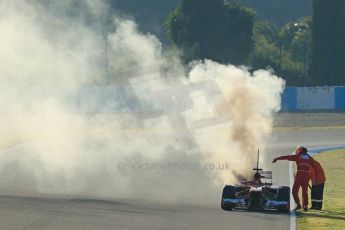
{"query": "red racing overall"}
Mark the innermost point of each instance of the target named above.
(305, 164)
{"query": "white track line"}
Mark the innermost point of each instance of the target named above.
(312, 151)
(292, 201)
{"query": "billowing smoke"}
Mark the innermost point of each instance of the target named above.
(90, 106)
(250, 99)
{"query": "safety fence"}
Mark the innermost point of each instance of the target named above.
(313, 98)
(100, 99)
(115, 99)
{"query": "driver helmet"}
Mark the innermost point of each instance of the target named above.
(301, 150)
(257, 176)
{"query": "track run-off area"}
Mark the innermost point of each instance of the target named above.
(36, 211)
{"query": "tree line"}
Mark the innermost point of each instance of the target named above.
(305, 51)
(308, 51)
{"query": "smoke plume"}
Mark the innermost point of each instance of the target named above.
(93, 107)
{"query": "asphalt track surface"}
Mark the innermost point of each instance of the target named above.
(72, 213)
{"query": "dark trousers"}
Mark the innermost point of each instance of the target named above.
(317, 196)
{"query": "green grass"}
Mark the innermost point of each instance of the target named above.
(333, 214)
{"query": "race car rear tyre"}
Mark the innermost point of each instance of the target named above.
(226, 208)
(283, 210)
(284, 195)
(228, 192)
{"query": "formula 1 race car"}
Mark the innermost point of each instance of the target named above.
(256, 195)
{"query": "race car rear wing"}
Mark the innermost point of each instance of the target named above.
(266, 174)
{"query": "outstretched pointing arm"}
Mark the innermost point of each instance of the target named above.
(287, 157)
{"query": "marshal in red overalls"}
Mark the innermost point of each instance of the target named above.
(305, 165)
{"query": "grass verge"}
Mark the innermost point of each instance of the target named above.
(333, 214)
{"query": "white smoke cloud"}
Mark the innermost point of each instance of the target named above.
(110, 114)
(251, 100)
